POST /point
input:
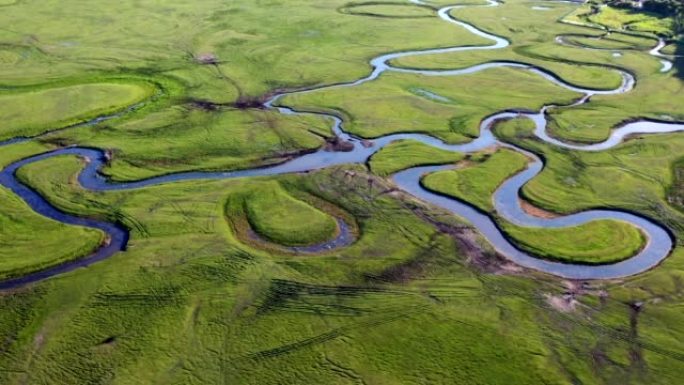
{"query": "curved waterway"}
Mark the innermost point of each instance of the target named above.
(506, 198)
(665, 60)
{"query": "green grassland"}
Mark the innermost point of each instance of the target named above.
(418, 297)
(592, 243)
(31, 242)
(231, 313)
(676, 190)
(595, 242)
(404, 154)
(614, 41)
(283, 219)
(257, 60)
(634, 176)
(657, 95)
(391, 104)
(186, 138)
(475, 183)
(532, 42)
(671, 49)
(17, 151)
(249, 64)
(41, 108)
(388, 9)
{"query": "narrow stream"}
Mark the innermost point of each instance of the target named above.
(506, 197)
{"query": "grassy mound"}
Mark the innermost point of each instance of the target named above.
(32, 112)
(283, 219)
(31, 242)
(404, 154)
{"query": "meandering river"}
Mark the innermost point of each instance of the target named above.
(506, 198)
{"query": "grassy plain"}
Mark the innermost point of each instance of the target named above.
(31, 242)
(417, 298)
(404, 154)
(391, 104)
(476, 182)
(186, 138)
(614, 41)
(532, 42)
(634, 176)
(670, 49)
(33, 111)
(676, 189)
(593, 243)
(254, 55)
(274, 316)
(657, 95)
(388, 9)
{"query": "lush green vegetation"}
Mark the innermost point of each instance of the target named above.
(612, 41)
(31, 242)
(657, 95)
(634, 176)
(532, 42)
(388, 9)
(193, 138)
(478, 178)
(283, 219)
(391, 104)
(43, 108)
(254, 56)
(275, 316)
(419, 297)
(592, 243)
(404, 154)
(676, 190)
(670, 49)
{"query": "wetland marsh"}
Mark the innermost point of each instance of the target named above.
(246, 202)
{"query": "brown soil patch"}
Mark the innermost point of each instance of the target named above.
(529, 208)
